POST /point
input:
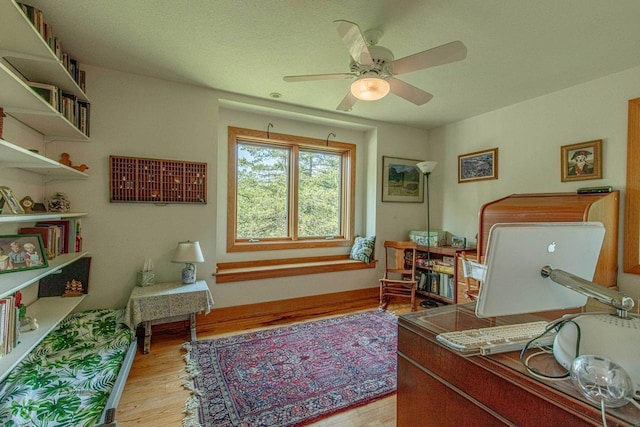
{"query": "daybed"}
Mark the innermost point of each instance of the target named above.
(74, 377)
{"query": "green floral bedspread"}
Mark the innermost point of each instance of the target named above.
(66, 380)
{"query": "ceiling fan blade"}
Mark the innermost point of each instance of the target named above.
(354, 41)
(347, 102)
(450, 52)
(308, 77)
(409, 92)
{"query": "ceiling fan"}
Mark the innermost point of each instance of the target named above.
(374, 67)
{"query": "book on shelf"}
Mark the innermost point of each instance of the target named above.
(67, 233)
(84, 117)
(8, 318)
(49, 93)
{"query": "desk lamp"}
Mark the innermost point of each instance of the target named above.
(426, 168)
(189, 253)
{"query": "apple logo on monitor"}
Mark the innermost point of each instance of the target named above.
(552, 247)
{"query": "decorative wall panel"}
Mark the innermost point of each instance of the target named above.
(136, 179)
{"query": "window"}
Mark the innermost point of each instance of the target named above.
(287, 191)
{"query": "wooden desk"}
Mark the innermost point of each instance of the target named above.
(439, 387)
(166, 302)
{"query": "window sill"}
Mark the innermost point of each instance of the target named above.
(227, 272)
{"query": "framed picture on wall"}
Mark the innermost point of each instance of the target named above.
(478, 166)
(581, 161)
(402, 181)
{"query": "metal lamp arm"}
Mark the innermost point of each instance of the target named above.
(618, 300)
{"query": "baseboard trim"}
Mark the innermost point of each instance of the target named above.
(269, 313)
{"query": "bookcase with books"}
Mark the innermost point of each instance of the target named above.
(43, 89)
(39, 84)
(439, 275)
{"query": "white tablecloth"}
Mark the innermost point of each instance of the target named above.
(167, 300)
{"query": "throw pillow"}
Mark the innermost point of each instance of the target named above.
(363, 249)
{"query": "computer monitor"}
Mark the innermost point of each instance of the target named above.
(516, 253)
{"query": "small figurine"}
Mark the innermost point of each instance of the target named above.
(28, 324)
(73, 289)
(65, 159)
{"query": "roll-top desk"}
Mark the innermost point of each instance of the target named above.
(560, 207)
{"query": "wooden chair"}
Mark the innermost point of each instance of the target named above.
(473, 284)
(400, 274)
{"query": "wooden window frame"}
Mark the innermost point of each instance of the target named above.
(348, 153)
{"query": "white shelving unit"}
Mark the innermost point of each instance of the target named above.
(23, 48)
(13, 282)
(12, 156)
(25, 55)
(49, 312)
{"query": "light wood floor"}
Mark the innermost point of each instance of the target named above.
(154, 395)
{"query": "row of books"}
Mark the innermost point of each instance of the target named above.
(9, 322)
(444, 265)
(437, 283)
(36, 16)
(58, 237)
(73, 109)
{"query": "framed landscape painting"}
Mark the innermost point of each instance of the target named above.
(478, 166)
(402, 181)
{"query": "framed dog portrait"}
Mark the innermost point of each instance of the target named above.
(581, 161)
(20, 252)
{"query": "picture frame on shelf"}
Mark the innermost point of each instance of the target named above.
(581, 161)
(478, 166)
(19, 252)
(10, 201)
(402, 180)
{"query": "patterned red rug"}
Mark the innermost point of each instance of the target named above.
(293, 375)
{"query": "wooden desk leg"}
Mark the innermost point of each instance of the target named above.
(192, 319)
(147, 337)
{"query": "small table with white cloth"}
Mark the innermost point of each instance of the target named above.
(165, 302)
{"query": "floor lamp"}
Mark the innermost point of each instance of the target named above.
(426, 168)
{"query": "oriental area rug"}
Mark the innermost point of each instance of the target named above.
(293, 375)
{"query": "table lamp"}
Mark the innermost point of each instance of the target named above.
(189, 253)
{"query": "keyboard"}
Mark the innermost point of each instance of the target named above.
(498, 339)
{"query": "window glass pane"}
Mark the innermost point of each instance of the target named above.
(320, 177)
(262, 190)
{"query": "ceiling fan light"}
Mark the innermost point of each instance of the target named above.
(370, 88)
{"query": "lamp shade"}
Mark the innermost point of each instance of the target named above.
(427, 167)
(188, 252)
(370, 88)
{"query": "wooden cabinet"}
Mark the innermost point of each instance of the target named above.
(444, 265)
(560, 207)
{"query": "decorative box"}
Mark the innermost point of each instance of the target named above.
(421, 237)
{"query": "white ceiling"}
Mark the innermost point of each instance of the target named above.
(517, 49)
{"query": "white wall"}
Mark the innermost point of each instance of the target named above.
(529, 136)
(138, 116)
